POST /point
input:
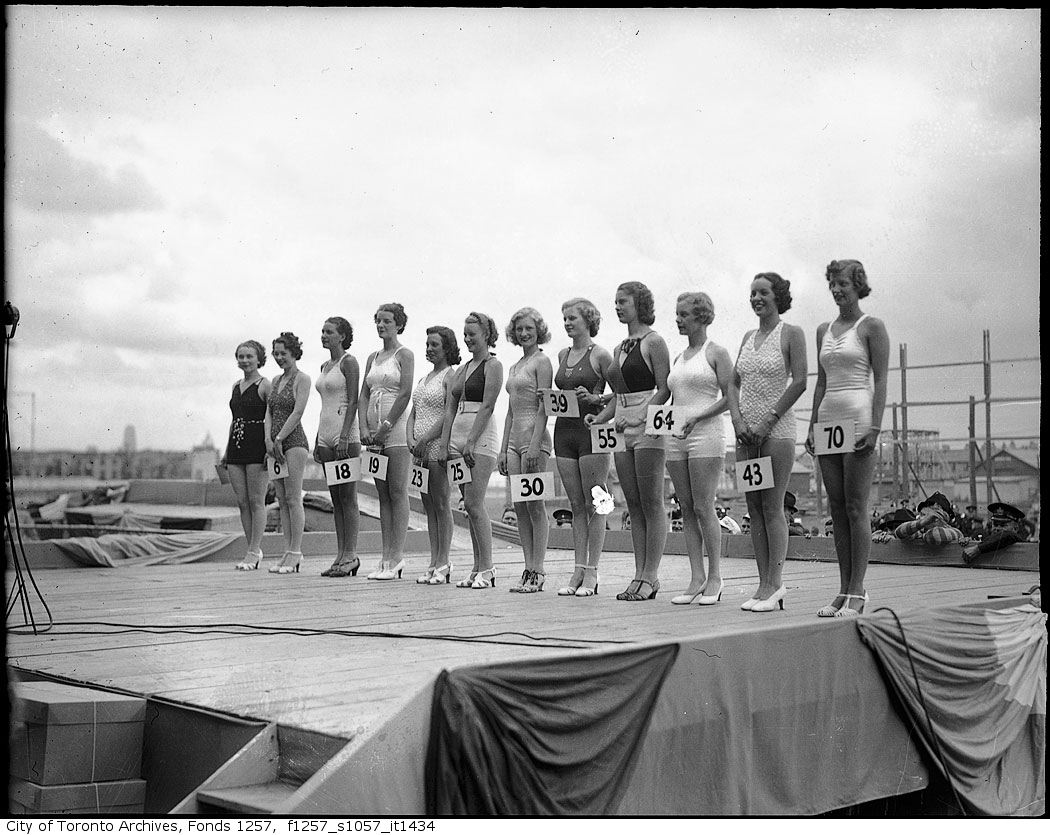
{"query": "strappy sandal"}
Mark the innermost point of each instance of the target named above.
(640, 594)
(831, 610)
(574, 582)
(630, 592)
(847, 612)
(588, 591)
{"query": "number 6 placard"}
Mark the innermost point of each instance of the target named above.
(374, 465)
(754, 474)
(458, 471)
(275, 470)
(343, 471)
(558, 403)
(833, 437)
(531, 487)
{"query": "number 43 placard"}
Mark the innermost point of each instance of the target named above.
(531, 487)
(754, 474)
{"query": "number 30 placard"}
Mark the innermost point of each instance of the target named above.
(754, 474)
(531, 487)
(833, 437)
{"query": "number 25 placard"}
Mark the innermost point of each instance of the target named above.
(531, 487)
(558, 403)
(754, 474)
(458, 471)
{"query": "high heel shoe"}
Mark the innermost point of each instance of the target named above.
(771, 602)
(424, 578)
(574, 582)
(392, 573)
(588, 591)
(630, 592)
(248, 564)
(345, 568)
(686, 599)
(441, 574)
(467, 582)
(640, 594)
(747, 604)
(535, 583)
(831, 609)
(526, 578)
(712, 599)
(847, 611)
(483, 582)
(284, 567)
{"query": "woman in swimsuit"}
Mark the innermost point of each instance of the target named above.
(338, 437)
(286, 444)
(853, 351)
(770, 375)
(526, 441)
(582, 369)
(638, 375)
(383, 408)
(470, 433)
(425, 424)
(245, 457)
(698, 381)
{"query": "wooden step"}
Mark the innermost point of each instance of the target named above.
(257, 799)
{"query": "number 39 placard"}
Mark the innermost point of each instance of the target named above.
(558, 403)
(275, 470)
(531, 487)
(343, 471)
(754, 474)
(833, 437)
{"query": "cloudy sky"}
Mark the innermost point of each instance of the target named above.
(179, 180)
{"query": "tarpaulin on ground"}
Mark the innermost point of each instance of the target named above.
(115, 549)
(976, 697)
(545, 737)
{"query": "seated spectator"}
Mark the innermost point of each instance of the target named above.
(893, 519)
(727, 522)
(935, 524)
(794, 520)
(563, 517)
(745, 523)
(1006, 525)
(971, 522)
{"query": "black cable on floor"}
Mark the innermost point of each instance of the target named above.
(925, 709)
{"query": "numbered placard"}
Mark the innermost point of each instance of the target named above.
(373, 465)
(342, 471)
(660, 420)
(754, 474)
(834, 437)
(276, 470)
(419, 479)
(605, 438)
(558, 403)
(223, 473)
(531, 487)
(458, 471)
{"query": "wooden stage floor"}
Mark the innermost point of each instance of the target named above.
(348, 685)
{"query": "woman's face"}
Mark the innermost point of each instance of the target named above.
(843, 291)
(435, 348)
(626, 309)
(281, 355)
(686, 317)
(385, 325)
(575, 324)
(247, 359)
(763, 302)
(330, 336)
(473, 337)
(525, 332)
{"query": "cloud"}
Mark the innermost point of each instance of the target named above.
(51, 179)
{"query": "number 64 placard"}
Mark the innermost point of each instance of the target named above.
(754, 474)
(531, 487)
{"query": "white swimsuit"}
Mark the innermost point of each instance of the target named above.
(694, 388)
(847, 372)
(331, 385)
(384, 384)
(428, 405)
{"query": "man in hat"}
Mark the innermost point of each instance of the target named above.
(1006, 525)
(971, 522)
(562, 517)
(934, 524)
(792, 516)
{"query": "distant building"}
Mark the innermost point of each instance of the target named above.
(129, 439)
(203, 459)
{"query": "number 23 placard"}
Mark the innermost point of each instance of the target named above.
(754, 474)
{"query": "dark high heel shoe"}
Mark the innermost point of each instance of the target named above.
(640, 594)
(629, 592)
(345, 568)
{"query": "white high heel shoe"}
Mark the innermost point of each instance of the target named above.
(771, 602)
(686, 599)
(847, 611)
(284, 567)
(392, 573)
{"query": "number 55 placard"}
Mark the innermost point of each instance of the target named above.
(558, 403)
(531, 487)
(754, 474)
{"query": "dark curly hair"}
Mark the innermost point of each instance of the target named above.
(291, 343)
(488, 326)
(854, 270)
(346, 330)
(543, 334)
(448, 343)
(781, 290)
(643, 300)
(396, 310)
(260, 351)
(588, 312)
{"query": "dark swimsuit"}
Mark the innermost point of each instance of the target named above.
(572, 437)
(247, 443)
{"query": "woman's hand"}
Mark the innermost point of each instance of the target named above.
(468, 453)
(589, 419)
(317, 457)
(501, 463)
(381, 434)
(687, 427)
(586, 398)
(419, 450)
(620, 424)
(811, 446)
(867, 444)
(744, 435)
(278, 452)
(367, 438)
(442, 455)
(342, 449)
(532, 458)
